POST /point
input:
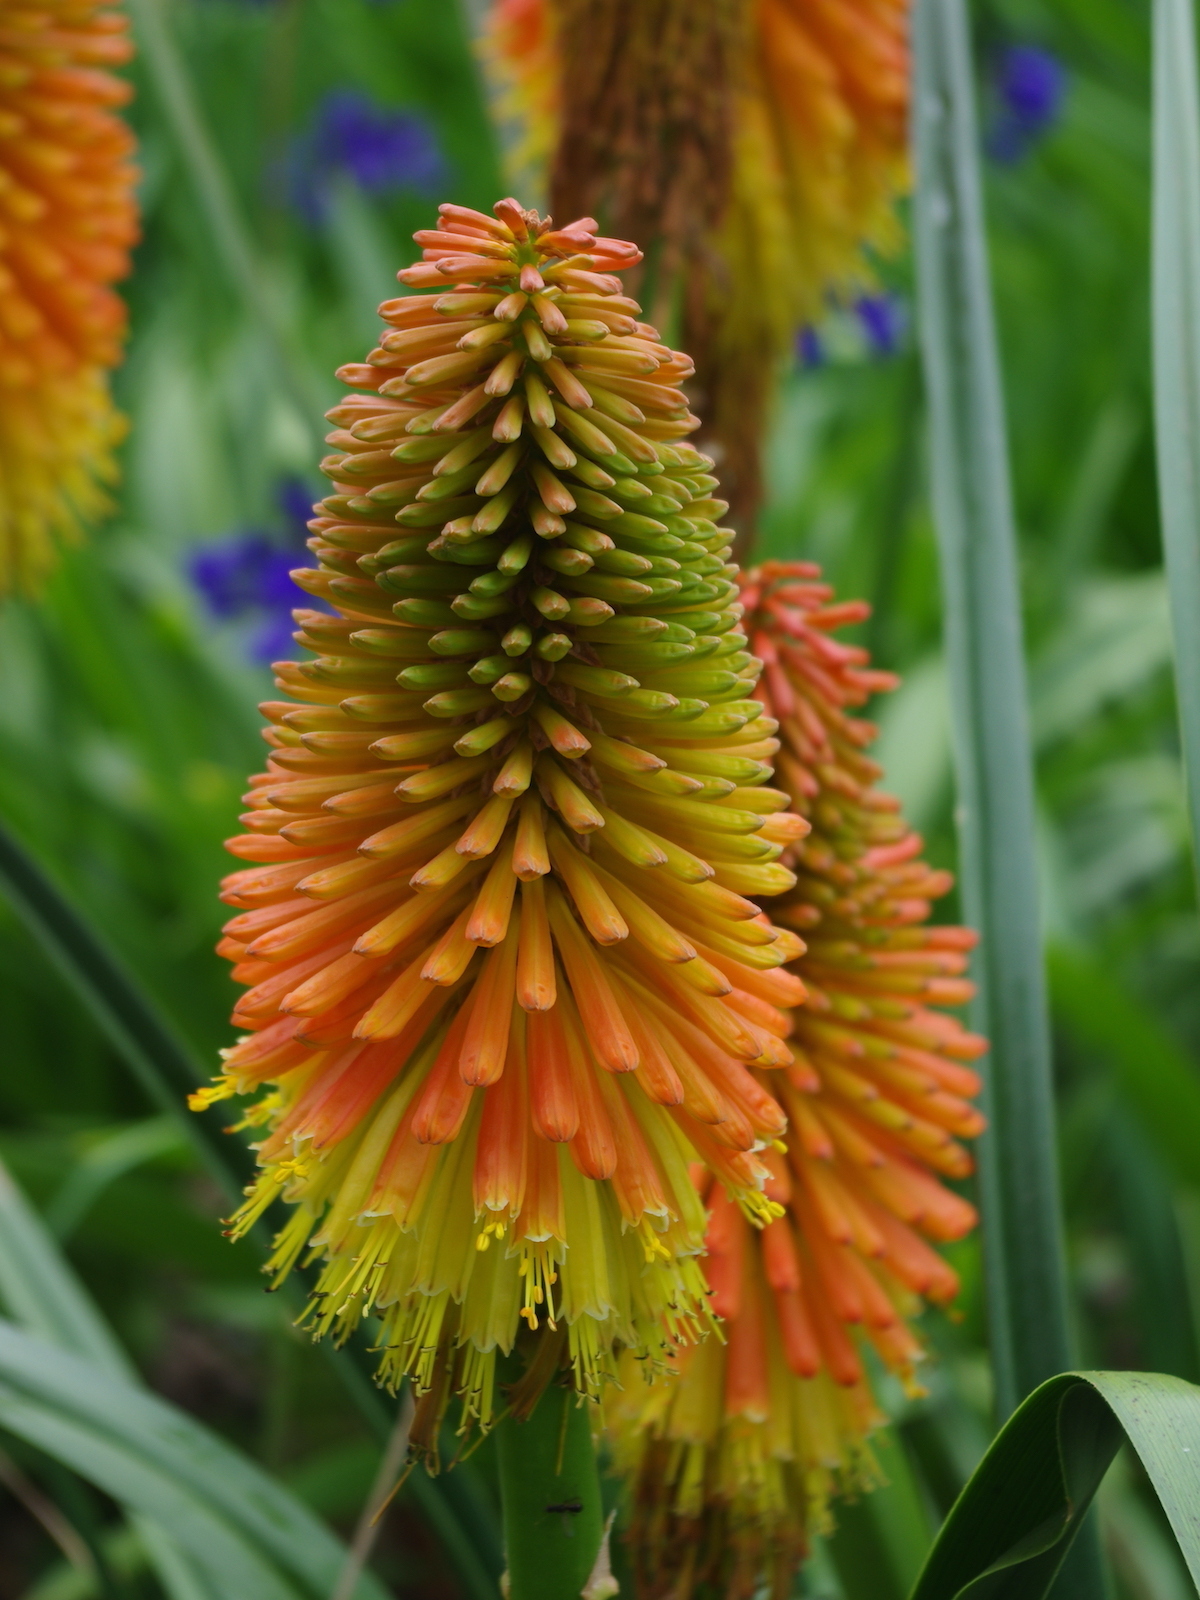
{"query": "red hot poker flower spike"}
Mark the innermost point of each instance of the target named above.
(67, 222)
(735, 1460)
(504, 971)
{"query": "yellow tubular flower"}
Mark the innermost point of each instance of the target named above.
(734, 1461)
(529, 735)
(760, 143)
(67, 222)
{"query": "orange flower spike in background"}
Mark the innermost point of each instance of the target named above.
(759, 144)
(821, 156)
(67, 223)
(521, 50)
(502, 964)
(736, 1459)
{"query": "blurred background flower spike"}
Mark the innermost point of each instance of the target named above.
(70, 222)
(755, 150)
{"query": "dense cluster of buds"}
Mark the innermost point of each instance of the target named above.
(66, 191)
(505, 969)
(734, 1460)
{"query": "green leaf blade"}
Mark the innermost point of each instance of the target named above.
(208, 1539)
(1176, 341)
(161, 1463)
(973, 514)
(1012, 1527)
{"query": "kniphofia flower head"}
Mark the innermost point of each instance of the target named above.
(761, 142)
(735, 1460)
(505, 974)
(68, 221)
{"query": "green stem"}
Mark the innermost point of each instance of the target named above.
(1176, 306)
(550, 1490)
(972, 502)
(202, 162)
(882, 1539)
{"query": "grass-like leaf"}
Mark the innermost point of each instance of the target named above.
(252, 1538)
(1011, 1528)
(45, 1299)
(973, 515)
(166, 1069)
(42, 1294)
(124, 1012)
(972, 505)
(1176, 314)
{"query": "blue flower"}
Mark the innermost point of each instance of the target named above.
(248, 574)
(229, 574)
(1029, 85)
(808, 347)
(882, 320)
(294, 498)
(381, 151)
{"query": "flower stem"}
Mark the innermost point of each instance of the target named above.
(550, 1493)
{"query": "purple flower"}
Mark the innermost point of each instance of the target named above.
(295, 500)
(351, 135)
(882, 320)
(248, 574)
(808, 347)
(1029, 84)
(272, 639)
(228, 574)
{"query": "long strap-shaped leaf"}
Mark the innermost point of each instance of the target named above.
(1008, 1532)
(973, 512)
(44, 1298)
(166, 1068)
(1176, 303)
(133, 1024)
(224, 1512)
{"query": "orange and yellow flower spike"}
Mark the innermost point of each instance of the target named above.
(520, 46)
(820, 158)
(67, 223)
(761, 144)
(529, 735)
(734, 1461)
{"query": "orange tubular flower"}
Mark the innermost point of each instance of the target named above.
(68, 222)
(521, 49)
(762, 141)
(734, 1460)
(530, 736)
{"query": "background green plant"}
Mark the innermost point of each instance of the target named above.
(127, 726)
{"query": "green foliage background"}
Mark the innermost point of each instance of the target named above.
(127, 727)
